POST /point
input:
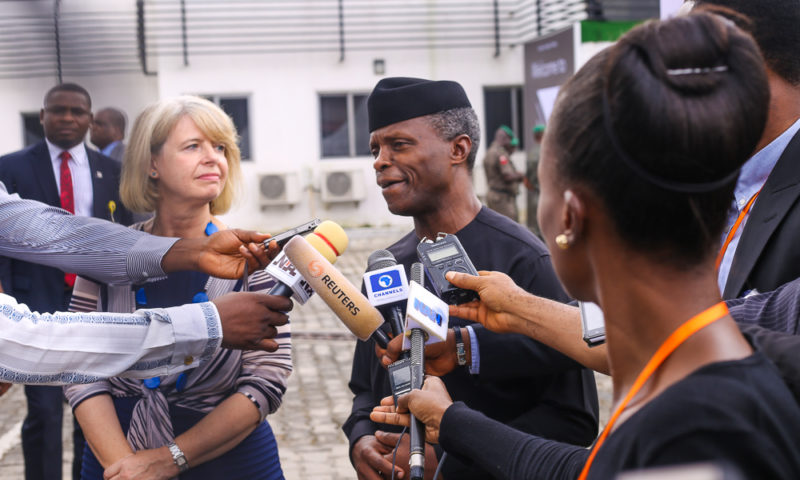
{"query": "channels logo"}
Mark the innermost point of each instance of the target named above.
(385, 281)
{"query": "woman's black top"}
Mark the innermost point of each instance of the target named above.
(738, 413)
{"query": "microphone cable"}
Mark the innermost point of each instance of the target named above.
(396, 446)
(439, 467)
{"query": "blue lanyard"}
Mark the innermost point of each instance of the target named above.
(200, 297)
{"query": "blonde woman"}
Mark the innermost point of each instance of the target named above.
(182, 164)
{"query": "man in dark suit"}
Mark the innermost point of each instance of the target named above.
(764, 252)
(108, 131)
(61, 172)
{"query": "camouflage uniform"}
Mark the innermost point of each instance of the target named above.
(533, 192)
(502, 195)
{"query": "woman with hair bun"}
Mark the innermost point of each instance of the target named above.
(637, 172)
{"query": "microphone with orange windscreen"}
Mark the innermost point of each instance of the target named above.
(341, 296)
(329, 239)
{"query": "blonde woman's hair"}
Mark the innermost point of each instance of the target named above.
(138, 190)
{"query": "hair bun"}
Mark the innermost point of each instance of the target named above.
(690, 54)
(690, 76)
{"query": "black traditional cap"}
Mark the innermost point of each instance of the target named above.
(401, 98)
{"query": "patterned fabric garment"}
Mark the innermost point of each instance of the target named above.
(64, 348)
(262, 376)
(93, 346)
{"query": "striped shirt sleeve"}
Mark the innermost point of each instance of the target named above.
(63, 348)
(778, 310)
(111, 253)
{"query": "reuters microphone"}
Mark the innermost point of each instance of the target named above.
(346, 301)
(329, 239)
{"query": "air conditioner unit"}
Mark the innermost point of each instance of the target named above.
(342, 185)
(277, 189)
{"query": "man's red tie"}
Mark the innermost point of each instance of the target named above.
(67, 200)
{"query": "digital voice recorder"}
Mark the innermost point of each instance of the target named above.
(446, 255)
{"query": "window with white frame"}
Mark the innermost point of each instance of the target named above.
(344, 131)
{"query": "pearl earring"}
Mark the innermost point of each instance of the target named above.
(562, 241)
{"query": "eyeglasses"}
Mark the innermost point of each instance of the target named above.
(61, 111)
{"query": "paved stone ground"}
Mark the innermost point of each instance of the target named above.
(317, 402)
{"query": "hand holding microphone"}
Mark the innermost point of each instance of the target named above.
(428, 405)
(499, 304)
(249, 319)
(329, 239)
(440, 358)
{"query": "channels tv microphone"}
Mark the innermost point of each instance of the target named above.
(387, 288)
(426, 319)
(329, 239)
(346, 301)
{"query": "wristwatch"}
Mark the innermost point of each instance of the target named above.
(461, 354)
(178, 457)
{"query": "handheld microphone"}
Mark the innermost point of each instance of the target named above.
(387, 287)
(346, 301)
(329, 239)
(424, 311)
(416, 459)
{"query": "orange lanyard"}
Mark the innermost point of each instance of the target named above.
(677, 337)
(735, 227)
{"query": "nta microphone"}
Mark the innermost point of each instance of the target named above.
(329, 239)
(387, 287)
(424, 311)
(347, 302)
(426, 318)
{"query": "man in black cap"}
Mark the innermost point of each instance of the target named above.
(424, 137)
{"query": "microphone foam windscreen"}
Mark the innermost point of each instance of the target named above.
(328, 239)
(345, 299)
(418, 273)
(380, 259)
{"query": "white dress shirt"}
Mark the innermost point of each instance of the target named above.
(78, 347)
(82, 190)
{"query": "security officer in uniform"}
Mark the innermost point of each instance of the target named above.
(531, 178)
(502, 177)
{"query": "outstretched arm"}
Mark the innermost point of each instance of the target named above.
(37, 233)
(504, 307)
(64, 348)
(503, 451)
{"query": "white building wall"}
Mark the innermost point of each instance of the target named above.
(283, 91)
(284, 114)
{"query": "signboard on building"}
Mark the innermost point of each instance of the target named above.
(549, 62)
